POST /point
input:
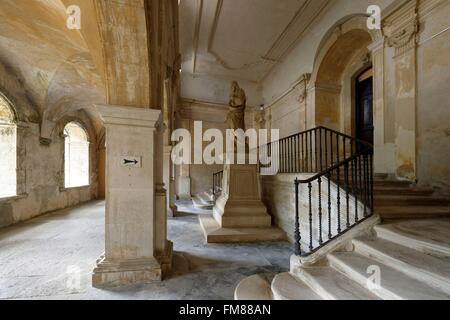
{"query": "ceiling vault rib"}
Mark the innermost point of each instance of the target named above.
(285, 31)
(320, 10)
(198, 23)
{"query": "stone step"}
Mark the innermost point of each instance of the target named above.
(407, 200)
(202, 204)
(428, 236)
(382, 190)
(394, 285)
(254, 288)
(207, 196)
(413, 212)
(426, 268)
(287, 287)
(214, 233)
(391, 183)
(330, 284)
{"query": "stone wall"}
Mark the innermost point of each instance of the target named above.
(433, 105)
(41, 177)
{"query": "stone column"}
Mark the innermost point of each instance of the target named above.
(131, 219)
(167, 177)
(184, 177)
(377, 49)
(402, 31)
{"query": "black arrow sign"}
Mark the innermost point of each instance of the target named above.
(126, 161)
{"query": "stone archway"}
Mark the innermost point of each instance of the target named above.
(348, 49)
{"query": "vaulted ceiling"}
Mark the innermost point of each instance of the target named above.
(241, 39)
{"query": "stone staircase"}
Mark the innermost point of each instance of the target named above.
(394, 199)
(413, 259)
(410, 249)
(204, 200)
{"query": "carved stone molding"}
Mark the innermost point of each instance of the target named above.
(304, 82)
(405, 38)
(402, 28)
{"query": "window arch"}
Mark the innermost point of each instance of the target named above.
(76, 156)
(8, 150)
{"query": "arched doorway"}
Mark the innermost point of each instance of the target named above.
(333, 87)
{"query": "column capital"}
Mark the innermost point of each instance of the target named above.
(129, 116)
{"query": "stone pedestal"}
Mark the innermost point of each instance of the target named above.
(132, 221)
(184, 188)
(239, 214)
(240, 204)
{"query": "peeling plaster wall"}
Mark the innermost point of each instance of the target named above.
(287, 114)
(433, 109)
(43, 179)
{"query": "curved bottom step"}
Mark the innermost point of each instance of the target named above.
(256, 287)
(287, 287)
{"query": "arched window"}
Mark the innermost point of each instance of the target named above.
(8, 150)
(76, 156)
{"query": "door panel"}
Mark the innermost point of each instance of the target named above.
(364, 110)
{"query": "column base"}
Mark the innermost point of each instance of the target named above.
(166, 260)
(108, 274)
(174, 210)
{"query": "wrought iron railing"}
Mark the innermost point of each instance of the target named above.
(339, 194)
(217, 184)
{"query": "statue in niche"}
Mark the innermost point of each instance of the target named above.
(236, 112)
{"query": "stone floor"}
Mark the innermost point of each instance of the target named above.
(43, 259)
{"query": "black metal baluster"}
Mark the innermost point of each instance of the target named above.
(316, 167)
(338, 150)
(302, 152)
(345, 148)
(319, 182)
(347, 194)
(307, 152)
(288, 142)
(298, 238)
(287, 155)
(362, 183)
(326, 149)
(355, 187)
(338, 200)
(311, 246)
(310, 152)
(330, 233)
(295, 154)
(320, 150)
(332, 149)
(292, 155)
